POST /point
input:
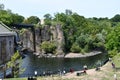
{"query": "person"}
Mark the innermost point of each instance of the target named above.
(84, 71)
(35, 73)
(110, 59)
(29, 78)
(115, 77)
(97, 69)
(71, 70)
(60, 73)
(43, 73)
(113, 65)
(85, 67)
(64, 72)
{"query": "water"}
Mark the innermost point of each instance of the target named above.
(32, 63)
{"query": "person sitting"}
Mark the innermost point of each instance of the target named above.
(71, 70)
(97, 68)
(85, 67)
(84, 71)
(64, 72)
(35, 73)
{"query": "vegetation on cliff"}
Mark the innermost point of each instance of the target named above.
(48, 47)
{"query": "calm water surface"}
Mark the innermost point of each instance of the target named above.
(32, 63)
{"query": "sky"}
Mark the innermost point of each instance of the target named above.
(86, 8)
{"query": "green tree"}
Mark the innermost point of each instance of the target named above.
(48, 19)
(60, 17)
(75, 48)
(8, 18)
(16, 18)
(68, 12)
(5, 17)
(113, 39)
(112, 53)
(15, 64)
(116, 18)
(2, 6)
(32, 20)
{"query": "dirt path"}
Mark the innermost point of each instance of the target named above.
(106, 73)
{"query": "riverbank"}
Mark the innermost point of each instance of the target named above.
(106, 73)
(69, 55)
(80, 55)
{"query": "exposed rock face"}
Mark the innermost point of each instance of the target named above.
(57, 36)
(60, 39)
(42, 34)
(27, 39)
(46, 33)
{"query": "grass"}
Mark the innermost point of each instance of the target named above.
(116, 60)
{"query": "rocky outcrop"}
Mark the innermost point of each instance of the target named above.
(42, 34)
(27, 39)
(58, 38)
(45, 33)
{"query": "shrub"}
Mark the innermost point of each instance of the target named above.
(75, 48)
(82, 51)
(48, 47)
(113, 52)
(86, 48)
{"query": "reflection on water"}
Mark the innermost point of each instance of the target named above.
(32, 63)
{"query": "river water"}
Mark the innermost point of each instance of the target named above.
(31, 63)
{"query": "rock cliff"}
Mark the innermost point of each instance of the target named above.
(45, 33)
